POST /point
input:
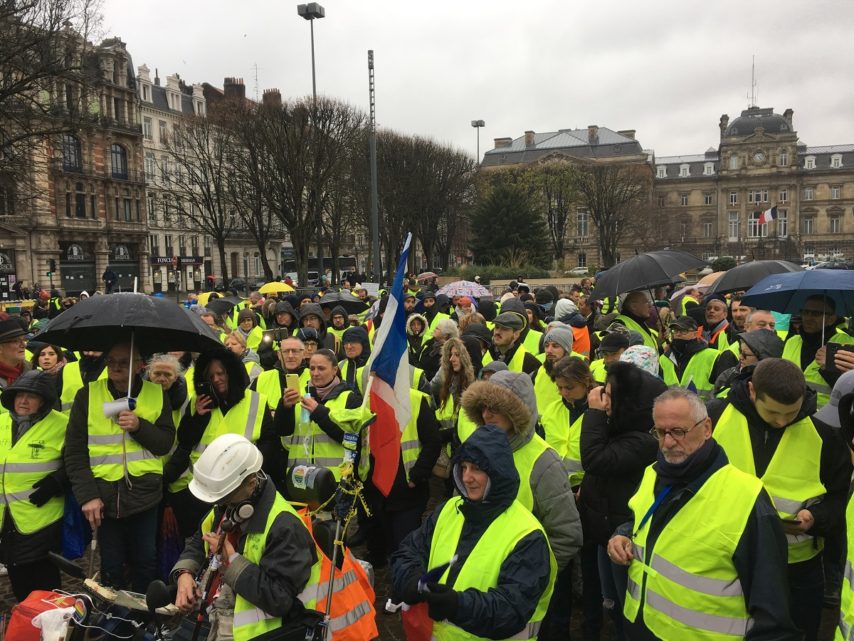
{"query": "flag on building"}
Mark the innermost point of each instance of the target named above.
(768, 215)
(389, 389)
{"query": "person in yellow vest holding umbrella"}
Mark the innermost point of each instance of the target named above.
(764, 426)
(33, 481)
(705, 553)
(635, 313)
(481, 561)
(112, 457)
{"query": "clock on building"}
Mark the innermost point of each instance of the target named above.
(759, 157)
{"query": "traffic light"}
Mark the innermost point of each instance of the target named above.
(52, 265)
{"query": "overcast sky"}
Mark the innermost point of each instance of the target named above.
(666, 68)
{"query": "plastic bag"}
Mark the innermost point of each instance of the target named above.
(76, 533)
(417, 624)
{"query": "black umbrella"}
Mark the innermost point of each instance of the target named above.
(349, 302)
(156, 324)
(745, 276)
(644, 271)
(220, 306)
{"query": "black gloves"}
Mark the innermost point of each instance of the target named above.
(442, 601)
(410, 593)
(45, 490)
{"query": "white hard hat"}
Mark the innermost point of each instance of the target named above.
(223, 466)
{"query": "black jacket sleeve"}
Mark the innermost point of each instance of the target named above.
(409, 562)
(270, 446)
(624, 454)
(428, 435)
(835, 475)
(76, 452)
(284, 422)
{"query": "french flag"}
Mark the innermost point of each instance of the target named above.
(389, 385)
(768, 215)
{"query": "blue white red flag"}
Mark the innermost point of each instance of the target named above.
(389, 389)
(768, 215)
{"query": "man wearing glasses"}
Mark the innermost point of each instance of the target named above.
(705, 550)
(290, 360)
(113, 460)
(808, 348)
(13, 343)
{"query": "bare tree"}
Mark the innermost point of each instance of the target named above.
(552, 184)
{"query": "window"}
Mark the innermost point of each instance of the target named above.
(809, 193)
(708, 229)
(127, 206)
(660, 172)
(661, 200)
(784, 159)
(782, 223)
(835, 224)
(835, 192)
(582, 222)
(118, 110)
(733, 162)
(79, 201)
(208, 244)
(708, 169)
(168, 244)
(808, 226)
(163, 131)
(150, 166)
(152, 210)
(7, 198)
(809, 162)
(146, 93)
(194, 244)
(836, 161)
(154, 245)
(93, 205)
(754, 229)
(708, 199)
(182, 245)
(582, 259)
(164, 168)
(733, 198)
(732, 225)
(684, 171)
(757, 196)
(119, 161)
(783, 196)
(167, 214)
(146, 128)
(683, 200)
(257, 265)
(683, 229)
(71, 156)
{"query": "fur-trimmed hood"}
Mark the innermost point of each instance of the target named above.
(238, 378)
(413, 317)
(509, 393)
(633, 392)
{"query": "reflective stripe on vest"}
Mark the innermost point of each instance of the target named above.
(410, 445)
(812, 372)
(481, 568)
(37, 453)
(110, 448)
(691, 589)
(792, 477)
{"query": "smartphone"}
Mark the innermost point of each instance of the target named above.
(292, 382)
(832, 348)
(791, 521)
(276, 334)
(206, 389)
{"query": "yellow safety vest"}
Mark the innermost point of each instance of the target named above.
(253, 338)
(792, 477)
(532, 341)
(598, 371)
(525, 457)
(410, 445)
(518, 360)
(244, 418)
(465, 426)
(269, 384)
(565, 438)
(687, 583)
(812, 374)
(698, 371)
(110, 448)
(684, 302)
(846, 608)
(428, 333)
(649, 335)
(34, 456)
(482, 566)
(72, 382)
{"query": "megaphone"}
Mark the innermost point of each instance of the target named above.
(113, 408)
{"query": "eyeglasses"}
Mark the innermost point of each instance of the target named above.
(677, 433)
(291, 351)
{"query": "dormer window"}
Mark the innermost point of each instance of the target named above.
(684, 171)
(709, 169)
(809, 162)
(836, 161)
(661, 172)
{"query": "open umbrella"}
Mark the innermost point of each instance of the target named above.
(349, 302)
(426, 276)
(464, 288)
(644, 271)
(275, 287)
(156, 325)
(745, 276)
(709, 279)
(220, 306)
(787, 293)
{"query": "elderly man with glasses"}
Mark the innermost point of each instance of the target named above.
(705, 550)
(13, 354)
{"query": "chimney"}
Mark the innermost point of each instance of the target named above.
(628, 133)
(233, 88)
(787, 115)
(272, 98)
(156, 77)
(723, 124)
(503, 142)
(529, 138)
(593, 134)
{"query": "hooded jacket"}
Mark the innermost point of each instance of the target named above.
(524, 575)
(512, 394)
(616, 449)
(354, 335)
(567, 312)
(325, 339)
(415, 342)
(835, 472)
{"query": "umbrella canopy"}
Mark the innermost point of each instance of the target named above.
(787, 293)
(220, 306)
(745, 276)
(644, 271)
(464, 288)
(158, 325)
(349, 302)
(275, 287)
(426, 276)
(709, 279)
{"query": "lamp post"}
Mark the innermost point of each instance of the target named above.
(477, 124)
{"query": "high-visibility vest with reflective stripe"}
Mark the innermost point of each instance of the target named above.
(598, 371)
(649, 335)
(545, 390)
(565, 438)
(416, 375)
(845, 631)
(447, 414)
(35, 455)
(698, 371)
(482, 566)
(428, 333)
(310, 445)
(518, 360)
(792, 477)
(410, 445)
(525, 457)
(532, 341)
(269, 384)
(110, 448)
(684, 302)
(72, 382)
(245, 418)
(812, 373)
(253, 338)
(687, 583)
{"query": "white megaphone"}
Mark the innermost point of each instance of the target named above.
(113, 408)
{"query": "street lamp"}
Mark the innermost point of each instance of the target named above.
(309, 12)
(477, 124)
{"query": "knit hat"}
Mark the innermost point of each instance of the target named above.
(10, 328)
(245, 313)
(642, 356)
(844, 385)
(492, 367)
(563, 336)
(565, 307)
